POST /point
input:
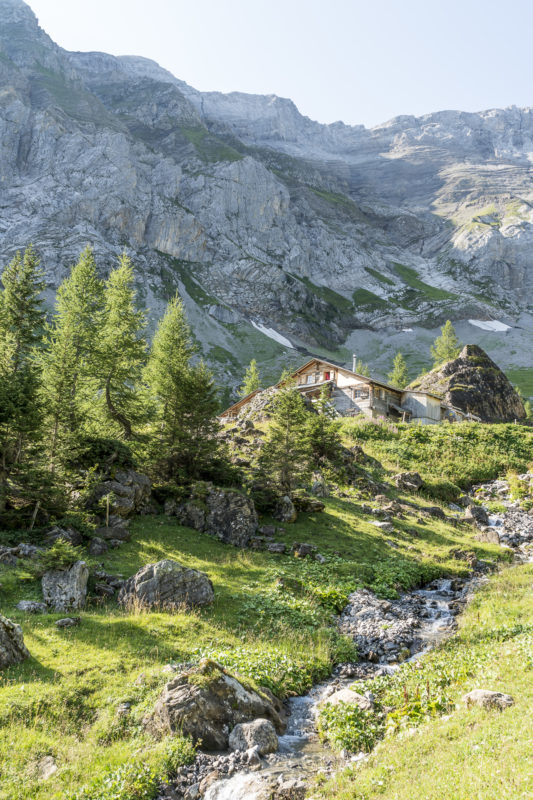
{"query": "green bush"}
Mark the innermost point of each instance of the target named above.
(346, 726)
(128, 782)
(61, 555)
(103, 453)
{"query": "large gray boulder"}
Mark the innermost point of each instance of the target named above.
(224, 513)
(129, 492)
(12, 647)
(408, 481)
(477, 515)
(260, 733)
(207, 703)
(285, 510)
(66, 589)
(167, 585)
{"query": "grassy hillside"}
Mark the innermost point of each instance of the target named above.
(460, 454)
(463, 754)
(271, 622)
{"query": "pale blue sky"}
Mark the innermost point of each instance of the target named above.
(362, 62)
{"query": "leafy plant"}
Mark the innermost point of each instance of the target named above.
(346, 726)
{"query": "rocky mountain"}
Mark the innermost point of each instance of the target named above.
(475, 384)
(282, 234)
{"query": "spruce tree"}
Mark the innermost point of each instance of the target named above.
(285, 455)
(323, 431)
(198, 448)
(121, 353)
(361, 368)
(252, 380)
(21, 322)
(69, 359)
(446, 346)
(399, 376)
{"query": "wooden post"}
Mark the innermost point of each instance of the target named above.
(107, 512)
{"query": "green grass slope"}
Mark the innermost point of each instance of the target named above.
(271, 622)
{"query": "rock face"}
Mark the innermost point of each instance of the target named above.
(475, 384)
(211, 186)
(12, 647)
(66, 589)
(167, 585)
(224, 513)
(260, 733)
(207, 703)
(129, 492)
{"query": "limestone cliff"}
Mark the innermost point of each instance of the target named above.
(475, 384)
(277, 230)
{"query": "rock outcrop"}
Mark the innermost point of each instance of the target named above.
(206, 703)
(473, 383)
(129, 492)
(224, 513)
(167, 585)
(66, 589)
(12, 647)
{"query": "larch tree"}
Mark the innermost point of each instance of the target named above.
(252, 379)
(323, 431)
(121, 353)
(21, 325)
(399, 376)
(69, 358)
(446, 346)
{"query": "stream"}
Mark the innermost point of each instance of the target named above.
(386, 632)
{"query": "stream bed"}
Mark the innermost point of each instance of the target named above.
(386, 633)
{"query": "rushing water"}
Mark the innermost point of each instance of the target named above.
(300, 752)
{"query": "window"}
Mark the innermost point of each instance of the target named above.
(326, 376)
(310, 379)
(360, 394)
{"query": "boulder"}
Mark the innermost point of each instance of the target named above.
(303, 549)
(386, 527)
(285, 510)
(129, 492)
(473, 383)
(476, 515)
(320, 489)
(488, 536)
(97, 547)
(66, 589)
(206, 703)
(70, 535)
(350, 697)
(276, 547)
(260, 733)
(167, 585)
(32, 607)
(224, 513)
(308, 504)
(68, 622)
(408, 481)
(12, 647)
(487, 699)
(115, 532)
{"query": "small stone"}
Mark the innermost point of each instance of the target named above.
(68, 622)
(46, 767)
(259, 734)
(97, 547)
(488, 699)
(276, 547)
(32, 607)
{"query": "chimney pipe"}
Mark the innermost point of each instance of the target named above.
(354, 362)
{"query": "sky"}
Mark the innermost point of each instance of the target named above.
(359, 61)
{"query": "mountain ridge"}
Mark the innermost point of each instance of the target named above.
(335, 236)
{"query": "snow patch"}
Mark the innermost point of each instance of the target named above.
(272, 334)
(407, 330)
(490, 325)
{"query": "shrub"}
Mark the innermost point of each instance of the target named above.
(102, 452)
(346, 726)
(61, 555)
(128, 782)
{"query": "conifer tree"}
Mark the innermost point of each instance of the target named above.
(200, 452)
(446, 346)
(252, 380)
(399, 376)
(21, 321)
(361, 368)
(69, 358)
(121, 353)
(285, 455)
(323, 430)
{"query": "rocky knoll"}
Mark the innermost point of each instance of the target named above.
(259, 215)
(473, 383)
(206, 703)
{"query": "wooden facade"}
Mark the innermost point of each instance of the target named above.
(352, 394)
